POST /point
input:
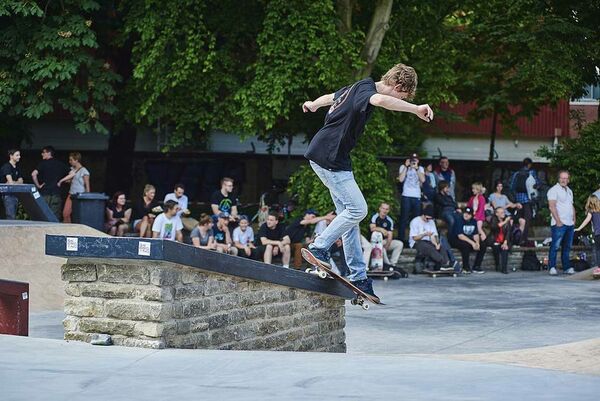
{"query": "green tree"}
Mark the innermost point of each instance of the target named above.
(580, 157)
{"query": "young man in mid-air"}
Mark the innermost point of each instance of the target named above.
(329, 156)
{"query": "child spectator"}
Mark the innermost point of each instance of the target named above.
(223, 235)
(243, 238)
(167, 225)
(501, 238)
(592, 210)
(145, 211)
(465, 238)
(299, 235)
(202, 235)
(477, 203)
(46, 176)
(178, 195)
(222, 201)
(10, 174)
(273, 242)
(79, 177)
(117, 216)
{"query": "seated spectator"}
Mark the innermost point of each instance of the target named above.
(273, 242)
(444, 173)
(223, 235)
(243, 238)
(500, 238)
(117, 216)
(222, 201)
(445, 205)
(498, 199)
(384, 224)
(429, 186)
(145, 210)
(299, 235)
(167, 225)
(322, 225)
(182, 200)
(477, 204)
(79, 177)
(423, 237)
(202, 235)
(465, 238)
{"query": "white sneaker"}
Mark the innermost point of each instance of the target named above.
(553, 271)
(570, 271)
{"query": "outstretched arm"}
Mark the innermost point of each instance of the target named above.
(422, 111)
(325, 100)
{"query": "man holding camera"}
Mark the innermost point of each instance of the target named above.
(411, 175)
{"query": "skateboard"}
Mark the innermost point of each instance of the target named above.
(596, 273)
(384, 273)
(435, 273)
(323, 272)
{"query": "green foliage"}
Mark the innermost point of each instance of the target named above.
(580, 157)
(49, 61)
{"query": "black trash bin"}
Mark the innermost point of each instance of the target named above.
(88, 209)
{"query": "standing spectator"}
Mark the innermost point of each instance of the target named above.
(446, 207)
(429, 185)
(117, 216)
(465, 238)
(243, 238)
(46, 176)
(10, 174)
(500, 238)
(560, 202)
(223, 235)
(592, 210)
(444, 173)
(80, 183)
(167, 225)
(202, 235)
(178, 195)
(425, 239)
(411, 175)
(518, 185)
(299, 235)
(222, 201)
(145, 211)
(383, 223)
(273, 242)
(477, 203)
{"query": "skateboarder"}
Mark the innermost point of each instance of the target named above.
(329, 155)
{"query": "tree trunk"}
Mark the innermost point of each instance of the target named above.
(377, 30)
(492, 148)
(344, 11)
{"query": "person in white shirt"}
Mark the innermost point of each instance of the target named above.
(424, 237)
(560, 202)
(166, 225)
(243, 238)
(183, 214)
(412, 176)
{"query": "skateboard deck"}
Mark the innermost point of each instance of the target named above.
(435, 273)
(384, 273)
(361, 296)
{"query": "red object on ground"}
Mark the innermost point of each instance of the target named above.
(14, 308)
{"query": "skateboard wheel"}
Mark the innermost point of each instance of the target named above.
(385, 279)
(391, 269)
(322, 274)
(308, 270)
(354, 301)
(434, 275)
(455, 275)
(365, 306)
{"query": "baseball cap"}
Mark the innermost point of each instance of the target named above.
(311, 211)
(223, 215)
(468, 210)
(414, 156)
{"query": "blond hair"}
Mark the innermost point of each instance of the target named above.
(403, 76)
(148, 188)
(592, 205)
(479, 187)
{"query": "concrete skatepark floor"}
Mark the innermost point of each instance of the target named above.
(525, 336)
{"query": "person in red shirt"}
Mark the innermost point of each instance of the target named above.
(501, 238)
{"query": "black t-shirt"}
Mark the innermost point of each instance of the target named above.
(117, 214)
(140, 209)
(49, 173)
(296, 231)
(468, 228)
(275, 234)
(344, 123)
(8, 169)
(225, 203)
(386, 223)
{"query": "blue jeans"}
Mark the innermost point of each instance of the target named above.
(410, 208)
(10, 206)
(561, 236)
(449, 217)
(351, 209)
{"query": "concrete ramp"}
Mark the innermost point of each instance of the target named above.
(22, 258)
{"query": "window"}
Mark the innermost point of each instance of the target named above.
(592, 94)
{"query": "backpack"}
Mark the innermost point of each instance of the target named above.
(531, 261)
(520, 184)
(579, 265)
(401, 272)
